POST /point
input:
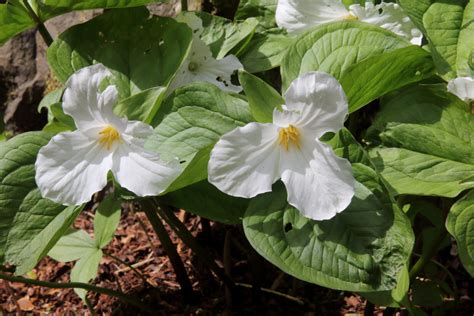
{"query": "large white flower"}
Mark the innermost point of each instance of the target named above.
(300, 15)
(248, 160)
(74, 165)
(463, 88)
(200, 65)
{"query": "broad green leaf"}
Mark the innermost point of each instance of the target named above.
(394, 297)
(205, 200)
(106, 220)
(263, 10)
(460, 224)
(14, 19)
(266, 50)
(375, 76)
(24, 214)
(335, 47)
(73, 246)
(135, 46)
(223, 36)
(429, 135)
(415, 10)
(86, 269)
(49, 100)
(141, 106)
(262, 97)
(200, 114)
(362, 249)
(449, 28)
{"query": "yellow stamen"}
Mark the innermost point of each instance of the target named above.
(289, 135)
(107, 136)
(351, 17)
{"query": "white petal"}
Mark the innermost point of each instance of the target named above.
(192, 20)
(219, 72)
(389, 16)
(244, 162)
(297, 16)
(72, 167)
(316, 101)
(82, 100)
(200, 65)
(138, 170)
(319, 184)
(463, 88)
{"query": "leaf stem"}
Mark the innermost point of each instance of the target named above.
(140, 275)
(178, 266)
(78, 285)
(289, 297)
(184, 5)
(167, 214)
(48, 39)
(426, 257)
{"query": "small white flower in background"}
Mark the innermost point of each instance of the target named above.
(200, 65)
(463, 88)
(297, 16)
(74, 165)
(248, 160)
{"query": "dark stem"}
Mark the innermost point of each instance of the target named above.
(178, 266)
(369, 309)
(131, 267)
(184, 5)
(48, 39)
(426, 257)
(90, 307)
(167, 214)
(78, 285)
(228, 267)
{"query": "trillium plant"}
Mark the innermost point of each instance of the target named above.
(336, 134)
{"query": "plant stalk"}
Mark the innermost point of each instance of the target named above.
(130, 266)
(180, 229)
(184, 5)
(48, 39)
(178, 266)
(78, 285)
(426, 257)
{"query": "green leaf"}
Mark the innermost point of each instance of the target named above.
(261, 96)
(78, 245)
(427, 293)
(135, 46)
(362, 249)
(86, 269)
(223, 36)
(207, 201)
(449, 27)
(200, 114)
(29, 224)
(49, 100)
(106, 220)
(335, 47)
(263, 10)
(375, 76)
(14, 19)
(428, 132)
(141, 106)
(73, 246)
(394, 297)
(460, 224)
(266, 50)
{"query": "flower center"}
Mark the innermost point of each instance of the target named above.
(193, 66)
(107, 136)
(351, 17)
(289, 135)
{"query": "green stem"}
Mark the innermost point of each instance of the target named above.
(48, 39)
(369, 309)
(178, 266)
(90, 307)
(78, 285)
(167, 214)
(426, 257)
(131, 267)
(184, 5)
(289, 297)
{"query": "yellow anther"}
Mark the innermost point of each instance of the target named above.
(107, 136)
(351, 17)
(289, 135)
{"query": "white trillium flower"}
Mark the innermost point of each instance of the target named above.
(463, 88)
(74, 165)
(297, 16)
(248, 160)
(200, 65)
